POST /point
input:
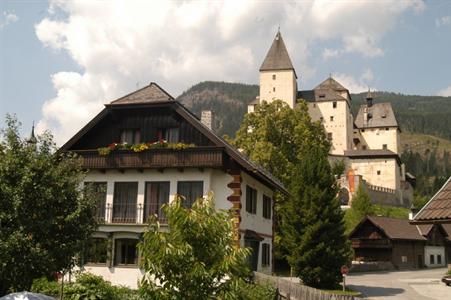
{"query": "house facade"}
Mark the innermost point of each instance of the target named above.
(143, 150)
(368, 144)
(399, 244)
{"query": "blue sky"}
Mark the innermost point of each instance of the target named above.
(61, 61)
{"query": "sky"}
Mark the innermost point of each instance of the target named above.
(60, 61)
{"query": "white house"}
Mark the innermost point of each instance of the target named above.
(133, 184)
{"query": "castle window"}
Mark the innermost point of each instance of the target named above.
(274, 89)
(329, 136)
(386, 128)
(321, 119)
(364, 147)
(274, 77)
(322, 96)
(378, 172)
(331, 118)
(334, 104)
(384, 146)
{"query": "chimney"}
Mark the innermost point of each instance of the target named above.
(207, 118)
(413, 212)
(369, 99)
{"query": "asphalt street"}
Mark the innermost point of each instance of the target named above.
(413, 285)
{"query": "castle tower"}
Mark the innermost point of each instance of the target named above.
(277, 74)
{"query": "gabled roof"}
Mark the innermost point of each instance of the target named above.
(381, 115)
(331, 84)
(394, 229)
(151, 93)
(438, 209)
(155, 96)
(277, 57)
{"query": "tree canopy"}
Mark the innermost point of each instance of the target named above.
(44, 219)
(197, 258)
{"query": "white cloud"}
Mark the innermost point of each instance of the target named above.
(443, 21)
(178, 44)
(367, 76)
(446, 92)
(7, 18)
(348, 81)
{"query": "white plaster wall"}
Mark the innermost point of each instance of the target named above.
(434, 250)
(285, 86)
(340, 127)
(128, 276)
(390, 171)
(256, 222)
(219, 182)
(376, 137)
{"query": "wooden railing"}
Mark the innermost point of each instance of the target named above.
(371, 243)
(199, 157)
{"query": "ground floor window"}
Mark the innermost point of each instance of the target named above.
(253, 258)
(439, 259)
(266, 254)
(431, 259)
(96, 251)
(125, 252)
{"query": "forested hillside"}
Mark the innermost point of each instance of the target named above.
(425, 122)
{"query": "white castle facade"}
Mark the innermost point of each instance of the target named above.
(368, 144)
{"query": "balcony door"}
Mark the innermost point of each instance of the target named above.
(124, 202)
(157, 194)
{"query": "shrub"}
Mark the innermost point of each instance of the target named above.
(250, 291)
(46, 287)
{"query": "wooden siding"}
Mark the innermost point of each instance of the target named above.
(148, 121)
(199, 157)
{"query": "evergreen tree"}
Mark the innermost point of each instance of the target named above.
(313, 223)
(361, 203)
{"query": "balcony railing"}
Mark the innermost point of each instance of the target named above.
(124, 213)
(371, 243)
(200, 157)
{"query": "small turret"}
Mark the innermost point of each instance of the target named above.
(369, 98)
(32, 140)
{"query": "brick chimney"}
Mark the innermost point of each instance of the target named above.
(207, 118)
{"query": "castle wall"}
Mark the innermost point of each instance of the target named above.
(336, 120)
(383, 172)
(375, 138)
(283, 86)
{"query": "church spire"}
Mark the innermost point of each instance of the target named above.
(32, 139)
(277, 57)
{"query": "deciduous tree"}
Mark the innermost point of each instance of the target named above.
(43, 217)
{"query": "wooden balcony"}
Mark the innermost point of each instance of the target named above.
(371, 243)
(198, 157)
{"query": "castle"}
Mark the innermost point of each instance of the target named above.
(368, 144)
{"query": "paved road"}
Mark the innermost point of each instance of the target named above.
(402, 285)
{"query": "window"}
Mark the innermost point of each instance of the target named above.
(190, 190)
(322, 96)
(99, 192)
(378, 172)
(439, 259)
(125, 252)
(274, 89)
(273, 76)
(251, 200)
(266, 254)
(363, 130)
(404, 259)
(386, 128)
(170, 135)
(384, 146)
(329, 136)
(334, 104)
(96, 251)
(431, 259)
(321, 119)
(124, 202)
(130, 136)
(157, 194)
(364, 147)
(331, 118)
(267, 205)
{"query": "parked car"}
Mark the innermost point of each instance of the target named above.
(447, 280)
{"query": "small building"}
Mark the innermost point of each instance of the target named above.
(395, 241)
(144, 149)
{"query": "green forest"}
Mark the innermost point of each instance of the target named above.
(425, 123)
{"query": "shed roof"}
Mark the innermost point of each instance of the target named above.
(380, 115)
(277, 57)
(397, 229)
(438, 209)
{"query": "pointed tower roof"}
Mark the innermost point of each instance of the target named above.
(151, 93)
(32, 139)
(277, 57)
